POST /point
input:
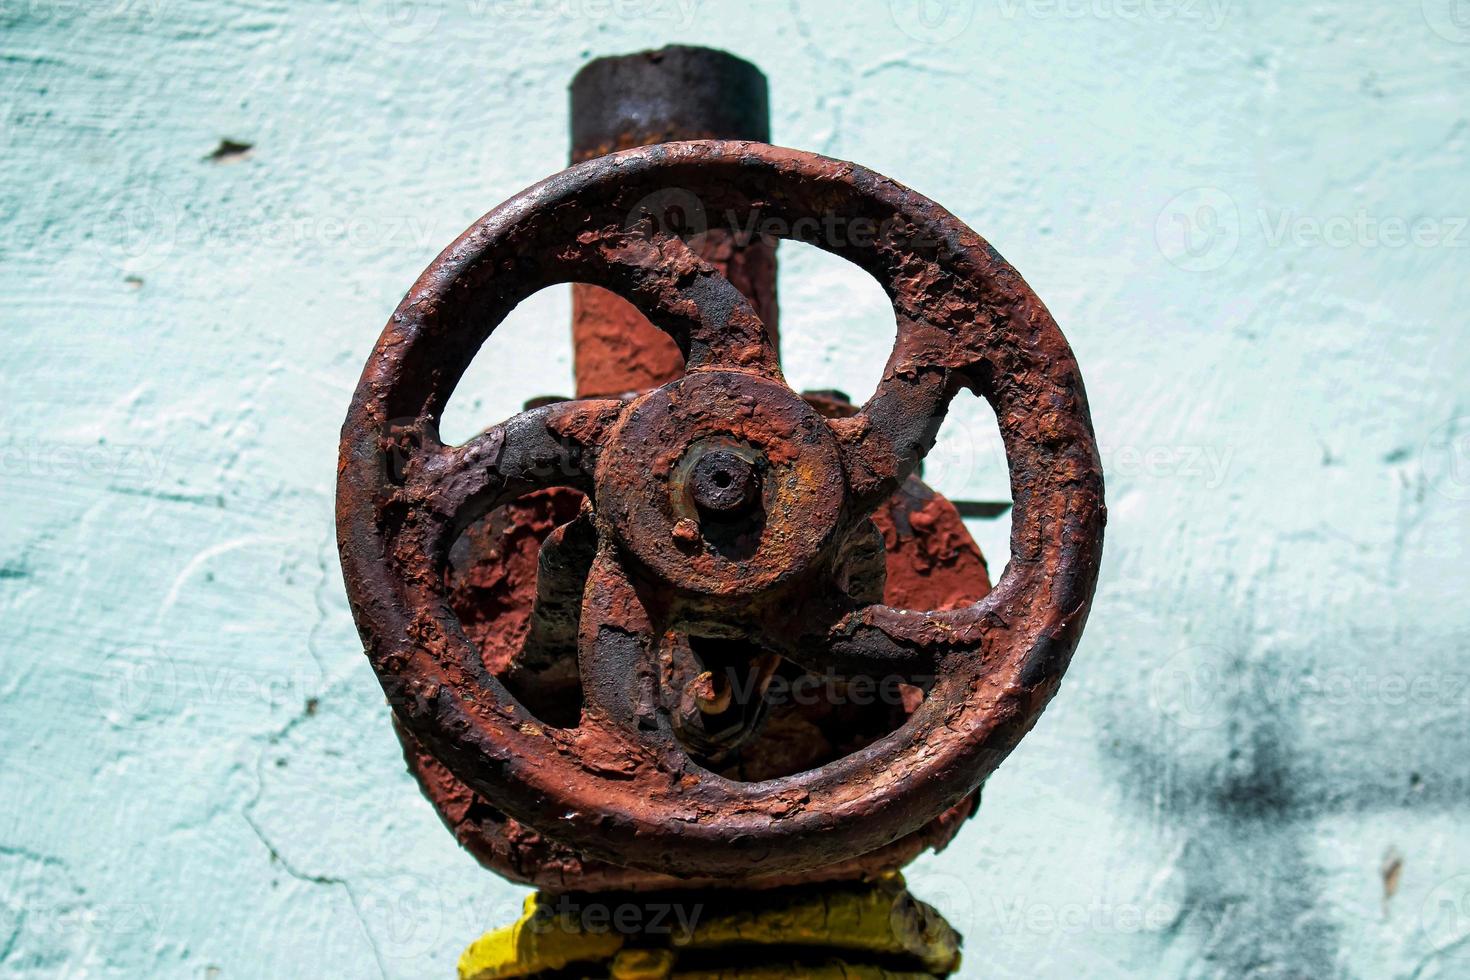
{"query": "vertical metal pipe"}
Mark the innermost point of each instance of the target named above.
(674, 93)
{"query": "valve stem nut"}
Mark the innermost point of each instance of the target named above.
(724, 484)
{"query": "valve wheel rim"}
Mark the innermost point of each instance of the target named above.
(619, 787)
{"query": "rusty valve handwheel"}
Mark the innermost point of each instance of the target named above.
(724, 505)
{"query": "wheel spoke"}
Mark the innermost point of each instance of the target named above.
(451, 486)
(616, 652)
(828, 634)
(713, 323)
(878, 641)
(561, 575)
(888, 437)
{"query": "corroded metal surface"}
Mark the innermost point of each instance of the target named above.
(929, 562)
(520, 605)
(621, 786)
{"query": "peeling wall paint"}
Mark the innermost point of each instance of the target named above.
(1249, 218)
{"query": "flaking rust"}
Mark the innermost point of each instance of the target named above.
(594, 620)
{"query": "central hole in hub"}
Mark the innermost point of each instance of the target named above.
(723, 484)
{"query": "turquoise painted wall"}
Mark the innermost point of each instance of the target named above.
(1250, 219)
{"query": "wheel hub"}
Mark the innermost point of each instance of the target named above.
(722, 483)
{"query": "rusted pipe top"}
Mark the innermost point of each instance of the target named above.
(674, 93)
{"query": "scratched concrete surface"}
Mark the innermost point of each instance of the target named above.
(1249, 218)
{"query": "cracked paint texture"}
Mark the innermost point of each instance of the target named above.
(1249, 219)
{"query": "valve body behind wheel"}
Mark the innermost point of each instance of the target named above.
(726, 535)
(931, 562)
